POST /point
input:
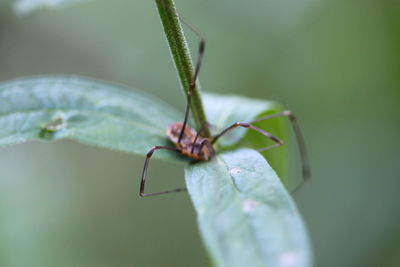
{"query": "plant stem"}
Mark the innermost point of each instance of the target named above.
(180, 54)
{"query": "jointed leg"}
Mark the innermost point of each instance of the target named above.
(306, 173)
(248, 125)
(197, 136)
(146, 164)
(202, 44)
(207, 143)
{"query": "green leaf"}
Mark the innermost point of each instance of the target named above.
(224, 110)
(86, 110)
(245, 215)
(24, 7)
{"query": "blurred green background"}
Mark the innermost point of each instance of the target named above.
(335, 63)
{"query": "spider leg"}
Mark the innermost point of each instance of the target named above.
(248, 125)
(202, 44)
(207, 143)
(197, 136)
(306, 173)
(146, 164)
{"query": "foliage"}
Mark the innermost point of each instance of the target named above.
(239, 187)
(246, 216)
(24, 7)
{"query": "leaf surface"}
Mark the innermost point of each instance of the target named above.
(245, 215)
(86, 110)
(24, 7)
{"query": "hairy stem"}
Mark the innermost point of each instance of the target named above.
(180, 54)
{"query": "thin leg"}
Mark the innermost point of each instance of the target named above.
(197, 136)
(306, 173)
(146, 164)
(202, 44)
(206, 142)
(248, 125)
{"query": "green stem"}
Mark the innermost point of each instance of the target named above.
(180, 54)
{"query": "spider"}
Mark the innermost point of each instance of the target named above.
(191, 144)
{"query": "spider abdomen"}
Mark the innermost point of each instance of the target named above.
(196, 148)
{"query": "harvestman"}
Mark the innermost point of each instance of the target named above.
(190, 143)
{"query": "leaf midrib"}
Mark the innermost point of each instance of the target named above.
(240, 194)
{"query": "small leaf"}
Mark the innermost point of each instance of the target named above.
(224, 110)
(245, 215)
(85, 110)
(24, 7)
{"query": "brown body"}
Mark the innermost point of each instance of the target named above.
(191, 144)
